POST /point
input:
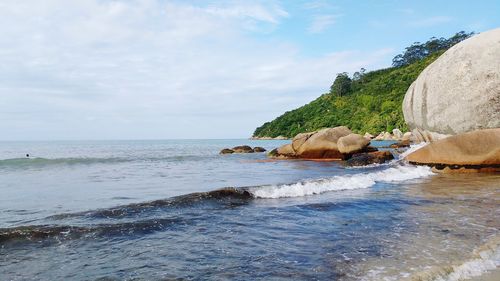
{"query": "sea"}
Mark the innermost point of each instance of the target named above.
(179, 210)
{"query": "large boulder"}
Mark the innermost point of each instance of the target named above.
(352, 143)
(321, 144)
(477, 151)
(459, 92)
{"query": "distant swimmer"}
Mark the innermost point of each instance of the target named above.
(27, 155)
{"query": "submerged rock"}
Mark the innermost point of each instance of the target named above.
(363, 159)
(459, 92)
(403, 143)
(243, 149)
(226, 151)
(259, 149)
(469, 152)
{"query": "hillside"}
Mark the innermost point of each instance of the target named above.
(373, 104)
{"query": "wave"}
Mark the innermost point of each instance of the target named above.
(39, 232)
(346, 182)
(28, 162)
(485, 258)
(188, 200)
(231, 196)
(14, 163)
(134, 214)
(413, 148)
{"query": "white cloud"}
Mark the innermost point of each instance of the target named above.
(151, 69)
(431, 21)
(321, 22)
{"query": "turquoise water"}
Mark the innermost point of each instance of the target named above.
(176, 209)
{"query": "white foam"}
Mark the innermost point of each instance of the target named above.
(413, 148)
(355, 181)
(485, 259)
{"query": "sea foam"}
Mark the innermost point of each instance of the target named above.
(345, 182)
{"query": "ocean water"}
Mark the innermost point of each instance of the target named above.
(177, 210)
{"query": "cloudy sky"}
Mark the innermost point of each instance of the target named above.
(157, 69)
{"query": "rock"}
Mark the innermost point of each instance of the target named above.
(226, 151)
(285, 151)
(243, 149)
(473, 151)
(368, 136)
(363, 159)
(352, 143)
(321, 144)
(259, 149)
(406, 136)
(397, 134)
(300, 139)
(315, 145)
(380, 136)
(403, 143)
(459, 92)
(387, 136)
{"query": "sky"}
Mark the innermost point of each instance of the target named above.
(159, 69)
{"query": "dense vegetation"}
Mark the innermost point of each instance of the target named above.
(367, 102)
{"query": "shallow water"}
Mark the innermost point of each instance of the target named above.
(154, 210)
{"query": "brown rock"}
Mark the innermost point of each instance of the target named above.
(477, 150)
(259, 149)
(363, 159)
(286, 151)
(322, 144)
(226, 151)
(243, 149)
(403, 143)
(352, 143)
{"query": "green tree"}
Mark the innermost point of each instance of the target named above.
(342, 85)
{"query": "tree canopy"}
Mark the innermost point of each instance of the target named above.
(418, 51)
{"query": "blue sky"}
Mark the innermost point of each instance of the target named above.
(157, 69)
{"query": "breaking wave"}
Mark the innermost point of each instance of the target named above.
(345, 182)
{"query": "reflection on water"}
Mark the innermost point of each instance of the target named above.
(462, 220)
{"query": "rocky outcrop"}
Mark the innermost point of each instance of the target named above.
(269, 138)
(459, 92)
(363, 159)
(242, 149)
(473, 151)
(320, 144)
(352, 143)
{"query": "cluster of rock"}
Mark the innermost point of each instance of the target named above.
(242, 149)
(396, 135)
(269, 138)
(337, 143)
(455, 105)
